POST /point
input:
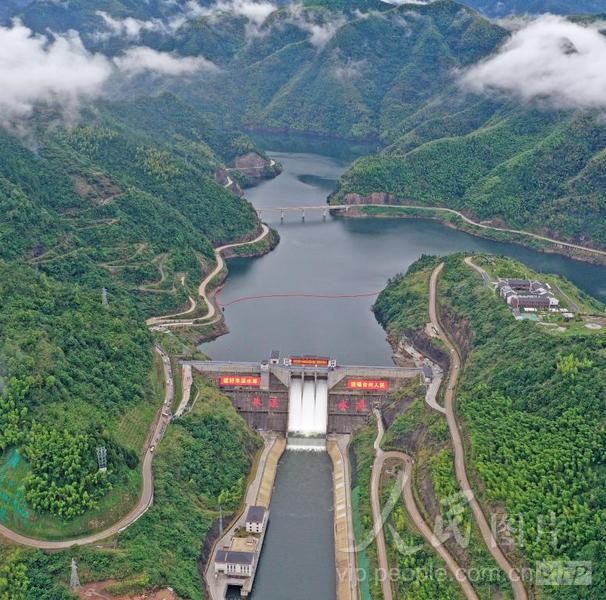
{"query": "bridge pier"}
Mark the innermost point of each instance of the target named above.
(303, 215)
(324, 214)
(282, 216)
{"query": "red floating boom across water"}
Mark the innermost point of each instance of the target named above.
(298, 295)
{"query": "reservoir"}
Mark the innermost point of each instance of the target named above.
(353, 259)
(339, 257)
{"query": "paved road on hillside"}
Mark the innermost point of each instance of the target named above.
(483, 274)
(147, 494)
(413, 512)
(459, 451)
(168, 320)
(377, 516)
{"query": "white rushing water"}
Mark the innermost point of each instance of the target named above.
(307, 414)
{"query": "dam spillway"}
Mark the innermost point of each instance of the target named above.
(307, 413)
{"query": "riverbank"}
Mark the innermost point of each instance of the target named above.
(456, 220)
(211, 285)
(258, 493)
(337, 447)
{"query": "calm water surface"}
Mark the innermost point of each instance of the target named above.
(298, 560)
(342, 257)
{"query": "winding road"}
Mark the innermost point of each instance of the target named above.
(169, 320)
(459, 451)
(161, 422)
(381, 457)
(405, 481)
(147, 494)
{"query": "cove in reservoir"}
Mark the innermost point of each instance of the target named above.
(339, 257)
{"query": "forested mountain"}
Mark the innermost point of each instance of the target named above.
(111, 215)
(358, 81)
(10, 8)
(124, 201)
(529, 169)
(503, 8)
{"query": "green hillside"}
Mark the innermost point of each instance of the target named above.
(532, 170)
(530, 400)
(124, 201)
(372, 73)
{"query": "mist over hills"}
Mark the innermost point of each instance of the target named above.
(436, 84)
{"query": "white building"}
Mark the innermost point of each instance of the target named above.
(256, 518)
(235, 564)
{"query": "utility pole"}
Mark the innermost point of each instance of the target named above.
(221, 520)
(74, 580)
(102, 459)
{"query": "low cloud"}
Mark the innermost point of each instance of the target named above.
(320, 31)
(57, 71)
(53, 71)
(141, 59)
(129, 28)
(349, 70)
(255, 11)
(550, 60)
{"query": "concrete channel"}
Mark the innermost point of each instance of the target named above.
(258, 494)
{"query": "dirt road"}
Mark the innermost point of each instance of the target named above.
(459, 451)
(147, 494)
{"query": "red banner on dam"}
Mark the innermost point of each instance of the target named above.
(380, 385)
(310, 361)
(239, 380)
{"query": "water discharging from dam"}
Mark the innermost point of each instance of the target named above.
(307, 414)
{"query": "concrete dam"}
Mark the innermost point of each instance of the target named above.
(304, 397)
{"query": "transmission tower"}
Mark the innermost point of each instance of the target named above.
(74, 580)
(104, 300)
(102, 459)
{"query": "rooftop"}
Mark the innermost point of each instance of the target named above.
(233, 557)
(256, 514)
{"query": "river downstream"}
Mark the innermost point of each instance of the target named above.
(339, 257)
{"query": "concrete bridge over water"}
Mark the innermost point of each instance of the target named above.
(323, 209)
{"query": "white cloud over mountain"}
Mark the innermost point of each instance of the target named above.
(129, 28)
(141, 59)
(56, 70)
(550, 60)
